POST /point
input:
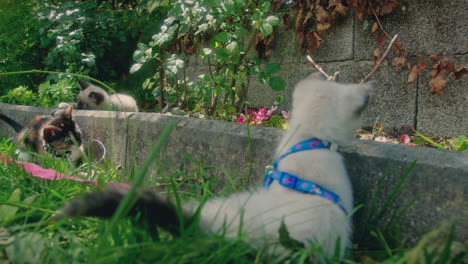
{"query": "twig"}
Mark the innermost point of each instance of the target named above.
(316, 66)
(377, 65)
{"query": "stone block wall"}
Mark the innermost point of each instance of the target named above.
(424, 26)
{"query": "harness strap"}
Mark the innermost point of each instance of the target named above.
(293, 182)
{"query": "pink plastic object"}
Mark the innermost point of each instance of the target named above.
(49, 174)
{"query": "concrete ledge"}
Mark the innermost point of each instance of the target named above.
(439, 177)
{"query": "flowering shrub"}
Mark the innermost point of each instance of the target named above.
(265, 117)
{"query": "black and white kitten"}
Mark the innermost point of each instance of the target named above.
(47, 135)
(323, 110)
(92, 97)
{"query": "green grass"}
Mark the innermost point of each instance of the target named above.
(30, 234)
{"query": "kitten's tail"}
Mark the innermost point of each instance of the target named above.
(149, 206)
(16, 126)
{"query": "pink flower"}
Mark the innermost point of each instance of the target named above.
(272, 109)
(406, 140)
(285, 115)
(262, 114)
(241, 119)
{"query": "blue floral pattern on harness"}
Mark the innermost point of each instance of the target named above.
(293, 182)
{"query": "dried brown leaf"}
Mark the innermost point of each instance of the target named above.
(307, 17)
(341, 9)
(296, 8)
(434, 57)
(397, 48)
(300, 39)
(321, 15)
(377, 55)
(435, 70)
(459, 72)
(381, 41)
(287, 20)
(375, 26)
(333, 3)
(414, 73)
(321, 27)
(314, 41)
(299, 26)
(437, 85)
(447, 67)
(387, 7)
(399, 62)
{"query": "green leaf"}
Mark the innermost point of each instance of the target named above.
(135, 67)
(277, 83)
(240, 32)
(273, 68)
(266, 29)
(211, 3)
(235, 58)
(286, 241)
(222, 37)
(222, 55)
(272, 20)
(257, 61)
(232, 47)
(263, 78)
(229, 5)
(279, 100)
(265, 6)
(7, 211)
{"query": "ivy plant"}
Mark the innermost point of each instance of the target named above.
(221, 33)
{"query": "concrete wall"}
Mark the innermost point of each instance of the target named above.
(424, 26)
(439, 178)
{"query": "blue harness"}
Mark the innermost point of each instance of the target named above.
(293, 182)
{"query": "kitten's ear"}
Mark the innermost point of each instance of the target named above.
(50, 131)
(96, 97)
(83, 84)
(67, 114)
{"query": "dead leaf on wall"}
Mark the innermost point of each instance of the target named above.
(414, 73)
(399, 62)
(437, 85)
(459, 72)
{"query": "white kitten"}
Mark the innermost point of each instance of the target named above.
(321, 109)
(92, 97)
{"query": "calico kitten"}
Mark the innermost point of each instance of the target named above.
(57, 136)
(92, 97)
(323, 111)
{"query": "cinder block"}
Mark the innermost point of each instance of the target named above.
(435, 172)
(338, 44)
(445, 115)
(212, 143)
(424, 26)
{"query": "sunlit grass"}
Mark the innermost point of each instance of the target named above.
(30, 234)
